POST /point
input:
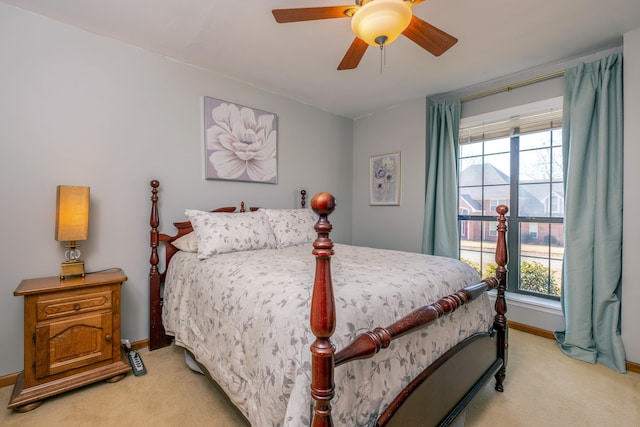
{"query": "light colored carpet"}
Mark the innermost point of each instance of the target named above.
(543, 388)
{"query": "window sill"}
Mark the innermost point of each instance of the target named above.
(531, 302)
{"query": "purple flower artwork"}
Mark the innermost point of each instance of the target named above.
(384, 179)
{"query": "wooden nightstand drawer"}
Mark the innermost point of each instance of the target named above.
(72, 303)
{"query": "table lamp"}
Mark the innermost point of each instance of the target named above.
(72, 224)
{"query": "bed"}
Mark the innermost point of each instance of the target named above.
(416, 334)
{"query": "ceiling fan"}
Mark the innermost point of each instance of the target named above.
(375, 23)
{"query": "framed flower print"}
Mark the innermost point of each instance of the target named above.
(241, 143)
(384, 179)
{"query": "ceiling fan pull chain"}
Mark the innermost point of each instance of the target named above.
(383, 58)
(381, 40)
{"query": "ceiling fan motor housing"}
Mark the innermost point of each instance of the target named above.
(381, 20)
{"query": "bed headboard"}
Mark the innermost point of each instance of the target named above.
(157, 336)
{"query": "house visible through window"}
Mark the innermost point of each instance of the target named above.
(464, 225)
(516, 161)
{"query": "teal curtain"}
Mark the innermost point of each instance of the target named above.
(593, 161)
(441, 200)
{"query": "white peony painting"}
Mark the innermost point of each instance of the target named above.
(241, 142)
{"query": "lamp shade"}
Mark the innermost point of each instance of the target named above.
(381, 18)
(72, 213)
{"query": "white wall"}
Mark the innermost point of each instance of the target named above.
(400, 128)
(80, 109)
(403, 128)
(631, 238)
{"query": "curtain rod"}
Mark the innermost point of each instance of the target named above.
(510, 87)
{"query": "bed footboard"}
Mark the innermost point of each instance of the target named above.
(323, 320)
(465, 369)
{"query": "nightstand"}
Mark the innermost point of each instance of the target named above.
(71, 335)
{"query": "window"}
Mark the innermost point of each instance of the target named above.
(493, 227)
(497, 202)
(557, 204)
(464, 225)
(516, 161)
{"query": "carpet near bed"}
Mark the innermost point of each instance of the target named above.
(546, 388)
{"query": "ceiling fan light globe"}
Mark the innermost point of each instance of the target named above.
(377, 18)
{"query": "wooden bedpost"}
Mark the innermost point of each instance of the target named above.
(323, 315)
(157, 337)
(154, 274)
(500, 321)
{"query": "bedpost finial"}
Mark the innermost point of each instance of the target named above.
(502, 209)
(323, 203)
(155, 183)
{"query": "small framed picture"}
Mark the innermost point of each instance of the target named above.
(384, 180)
(241, 143)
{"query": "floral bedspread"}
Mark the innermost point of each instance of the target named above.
(245, 317)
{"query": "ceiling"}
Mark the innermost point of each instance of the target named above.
(242, 41)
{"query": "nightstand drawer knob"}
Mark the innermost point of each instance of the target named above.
(107, 338)
(76, 307)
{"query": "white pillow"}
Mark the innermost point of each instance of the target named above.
(187, 243)
(292, 226)
(219, 233)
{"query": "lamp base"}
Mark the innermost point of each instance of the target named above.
(71, 269)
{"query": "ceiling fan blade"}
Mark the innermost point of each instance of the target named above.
(429, 37)
(310, 13)
(354, 55)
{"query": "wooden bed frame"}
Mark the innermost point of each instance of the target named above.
(439, 395)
